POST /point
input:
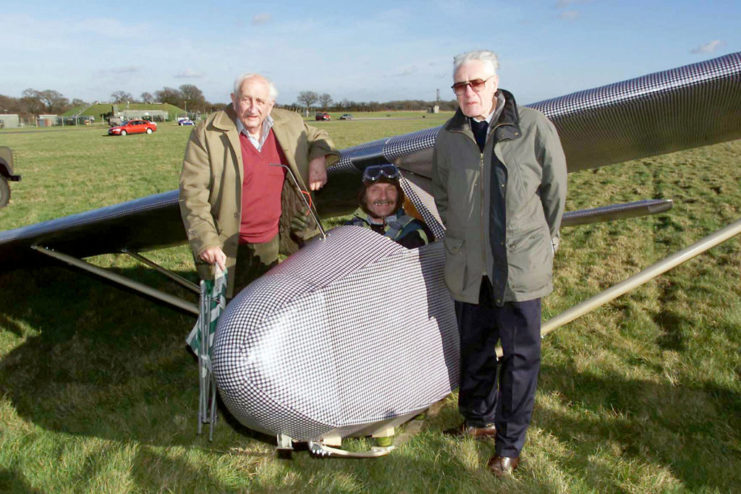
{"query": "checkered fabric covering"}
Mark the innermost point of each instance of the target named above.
(688, 106)
(352, 329)
(657, 113)
(423, 207)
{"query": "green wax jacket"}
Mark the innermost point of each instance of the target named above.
(523, 157)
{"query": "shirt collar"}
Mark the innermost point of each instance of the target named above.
(497, 110)
(267, 124)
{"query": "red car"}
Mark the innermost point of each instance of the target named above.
(320, 115)
(133, 127)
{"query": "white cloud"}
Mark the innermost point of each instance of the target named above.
(406, 71)
(124, 70)
(569, 15)
(563, 4)
(709, 47)
(188, 74)
(260, 19)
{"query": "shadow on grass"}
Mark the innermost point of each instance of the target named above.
(97, 360)
(104, 363)
(100, 362)
(684, 428)
(11, 481)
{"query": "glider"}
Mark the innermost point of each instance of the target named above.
(312, 351)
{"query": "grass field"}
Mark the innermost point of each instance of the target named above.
(97, 393)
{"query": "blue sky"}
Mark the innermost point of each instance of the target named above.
(362, 51)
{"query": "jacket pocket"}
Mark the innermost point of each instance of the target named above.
(455, 264)
(530, 259)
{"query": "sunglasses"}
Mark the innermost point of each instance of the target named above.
(375, 172)
(477, 85)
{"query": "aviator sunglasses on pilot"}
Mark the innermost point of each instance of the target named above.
(476, 84)
(375, 172)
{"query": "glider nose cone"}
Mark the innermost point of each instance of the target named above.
(302, 353)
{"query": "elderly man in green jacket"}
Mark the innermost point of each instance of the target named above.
(499, 181)
(236, 205)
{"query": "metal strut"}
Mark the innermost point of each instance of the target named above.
(174, 277)
(639, 279)
(644, 276)
(118, 279)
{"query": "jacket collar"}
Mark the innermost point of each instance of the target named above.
(507, 125)
(226, 120)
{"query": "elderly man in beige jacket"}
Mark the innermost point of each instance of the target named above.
(236, 205)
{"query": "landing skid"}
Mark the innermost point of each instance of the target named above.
(384, 434)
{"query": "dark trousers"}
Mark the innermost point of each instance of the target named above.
(506, 399)
(254, 260)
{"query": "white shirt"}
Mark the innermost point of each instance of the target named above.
(267, 124)
(497, 110)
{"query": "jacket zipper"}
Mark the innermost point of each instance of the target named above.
(481, 210)
(481, 187)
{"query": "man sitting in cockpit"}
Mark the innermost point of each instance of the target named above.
(381, 208)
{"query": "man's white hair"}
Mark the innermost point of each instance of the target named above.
(239, 80)
(486, 56)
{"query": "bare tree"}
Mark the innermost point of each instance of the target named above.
(31, 99)
(193, 96)
(325, 100)
(307, 98)
(121, 96)
(169, 95)
(8, 104)
(147, 97)
(44, 101)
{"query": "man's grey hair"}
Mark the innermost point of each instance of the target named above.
(239, 80)
(486, 56)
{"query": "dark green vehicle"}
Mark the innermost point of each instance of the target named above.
(6, 174)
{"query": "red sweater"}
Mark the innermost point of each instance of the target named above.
(261, 190)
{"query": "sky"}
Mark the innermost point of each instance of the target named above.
(359, 51)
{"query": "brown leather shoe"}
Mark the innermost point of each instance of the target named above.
(503, 466)
(488, 431)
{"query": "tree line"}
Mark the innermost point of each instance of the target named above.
(34, 102)
(190, 97)
(311, 99)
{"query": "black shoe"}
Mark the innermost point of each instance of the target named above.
(487, 431)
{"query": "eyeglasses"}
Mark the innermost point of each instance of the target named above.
(477, 85)
(375, 172)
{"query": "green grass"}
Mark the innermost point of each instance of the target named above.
(97, 393)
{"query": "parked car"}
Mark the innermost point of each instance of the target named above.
(185, 121)
(346, 116)
(320, 115)
(6, 174)
(133, 127)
